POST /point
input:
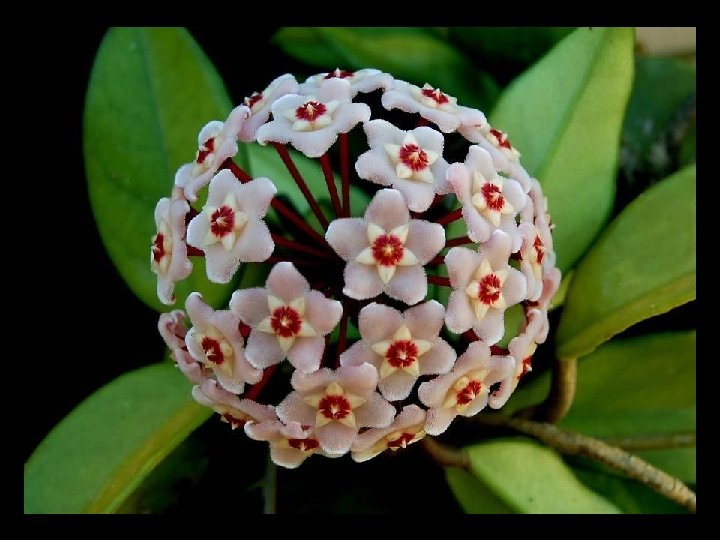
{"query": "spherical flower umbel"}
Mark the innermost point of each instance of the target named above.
(405, 214)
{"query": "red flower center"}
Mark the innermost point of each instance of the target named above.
(413, 157)
(253, 99)
(303, 444)
(205, 150)
(539, 249)
(526, 367)
(402, 353)
(493, 196)
(233, 420)
(339, 74)
(222, 221)
(402, 441)
(387, 250)
(502, 138)
(436, 95)
(470, 392)
(212, 349)
(158, 249)
(489, 289)
(285, 321)
(335, 407)
(310, 111)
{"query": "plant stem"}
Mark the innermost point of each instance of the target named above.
(254, 392)
(439, 280)
(440, 259)
(314, 206)
(298, 246)
(444, 455)
(653, 441)
(345, 172)
(560, 398)
(460, 241)
(330, 181)
(449, 218)
(270, 488)
(194, 252)
(567, 442)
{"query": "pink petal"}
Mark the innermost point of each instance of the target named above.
(310, 382)
(360, 380)
(492, 326)
(322, 313)
(458, 176)
(477, 405)
(409, 284)
(461, 265)
(375, 412)
(294, 408)
(263, 350)
(432, 393)
(438, 420)
(286, 282)
(189, 366)
(379, 322)
(418, 195)
(515, 287)
(379, 132)
(397, 385)
(375, 166)
(255, 244)
(306, 353)
(459, 316)
(336, 438)
(250, 305)
(425, 239)
(496, 250)
(478, 228)
(191, 184)
(254, 197)
(290, 458)
(387, 209)
(361, 281)
(359, 353)
(172, 328)
(439, 359)
(347, 236)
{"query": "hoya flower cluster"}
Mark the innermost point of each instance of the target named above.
(349, 311)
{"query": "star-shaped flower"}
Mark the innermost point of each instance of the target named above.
(408, 428)
(287, 319)
(215, 341)
(168, 251)
(386, 250)
(484, 287)
(312, 123)
(217, 141)
(432, 104)
(489, 200)
(259, 104)
(337, 404)
(290, 444)
(234, 411)
(465, 389)
(230, 229)
(361, 81)
(409, 161)
(402, 346)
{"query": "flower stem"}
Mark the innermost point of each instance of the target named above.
(330, 181)
(277, 204)
(444, 455)
(194, 252)
(314, 206)
(562, 393)
(440, 259)
(298, 246)
(439, 280)
(568, 442)
(460, 241)
(345, 172)
(653, 441)
(254, 392)
(450, 217)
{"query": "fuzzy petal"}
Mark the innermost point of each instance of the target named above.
(379, 322)
(286, 282)
(438, 420)
(347, 236)
(306, 353)
(425, 239)
(336, 438)
(361, 281)
(409, 284)
(263, 350)
(359, 353)
(439, 359)
(322, 313)
(387, 210)
(459, 316)
(397, 385)
(250, 305)
(375, 412)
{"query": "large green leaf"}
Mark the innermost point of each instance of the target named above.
(413, 54)
(643, 265)
(565, 115)
(94, 459)
(473, 495)
(533, 479)
(151, 91)
(633, 387)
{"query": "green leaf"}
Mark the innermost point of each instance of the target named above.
(533, 479)
(501, 44)
(95, 458)
(565, 115)
(150, 93)
(630, 387)
(413, 54)
(473, 495)
(642, 265)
